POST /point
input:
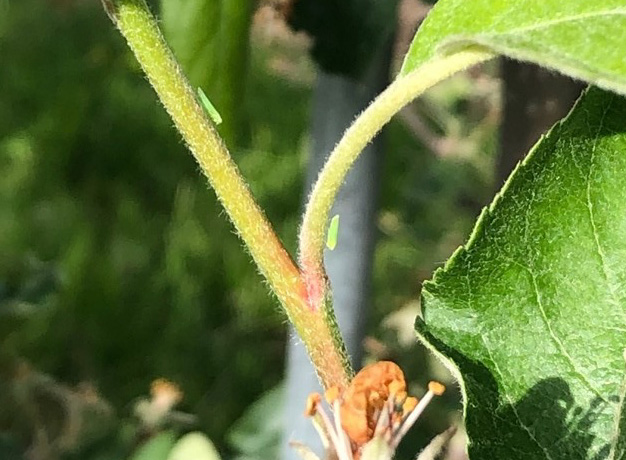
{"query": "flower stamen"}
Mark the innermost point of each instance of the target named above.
(340, 432)
(383, 422)
(434, 389)
(374, 407)
(312, 403)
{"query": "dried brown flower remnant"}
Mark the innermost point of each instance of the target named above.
(366, 396)
(374, 407)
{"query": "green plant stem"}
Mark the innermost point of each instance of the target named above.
(402, 91)
(316, 329)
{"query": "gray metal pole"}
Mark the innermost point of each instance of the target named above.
(337, 101)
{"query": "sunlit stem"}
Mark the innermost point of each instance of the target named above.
(316, 328)
(402, 91)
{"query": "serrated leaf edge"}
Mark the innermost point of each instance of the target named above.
(491, 207)
(446, 361)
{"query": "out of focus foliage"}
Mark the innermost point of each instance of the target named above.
(345, 33)
(209, 39)
(117, 265)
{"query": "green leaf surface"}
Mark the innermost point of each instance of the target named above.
(157, 448)
(580, 38)
(194, 446)
(532, 308)
(258, 433)
(191, 28)
(210, 39)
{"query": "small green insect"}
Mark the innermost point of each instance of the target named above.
(210, 108)
(333, 232)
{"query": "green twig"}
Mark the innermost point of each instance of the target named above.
(316, 328)
(402, 91)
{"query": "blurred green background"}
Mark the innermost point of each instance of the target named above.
(117, 265)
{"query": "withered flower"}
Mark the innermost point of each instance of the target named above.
(370, 417)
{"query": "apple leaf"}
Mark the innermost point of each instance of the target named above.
(194, 446)
(532, 310)
(580, 38)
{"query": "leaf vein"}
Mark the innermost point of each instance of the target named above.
(596, 237)
(558, 341)
(620, 11)
(511, 403)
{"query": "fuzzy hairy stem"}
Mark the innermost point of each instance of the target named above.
(317, 330)
(402, 91)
